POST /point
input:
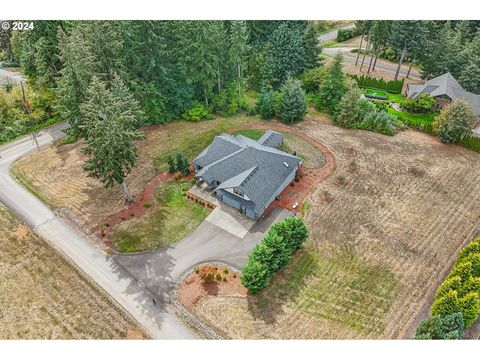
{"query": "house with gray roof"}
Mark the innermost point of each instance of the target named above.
(444, 89)
(246, 174)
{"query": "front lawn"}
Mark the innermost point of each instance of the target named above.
(172, 218)
(413, 120)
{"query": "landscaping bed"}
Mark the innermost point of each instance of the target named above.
(376, 94)
(209, 280)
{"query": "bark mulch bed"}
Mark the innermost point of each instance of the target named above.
(136, 209)
(208, 280)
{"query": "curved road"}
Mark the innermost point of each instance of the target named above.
(159, 321)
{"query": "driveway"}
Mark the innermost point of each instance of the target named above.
(159, 270)
(332, 35)
(159, 321)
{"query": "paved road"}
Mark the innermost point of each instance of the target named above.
(159, 270)
(158, 321)
(10, 76)
(332, 35)
(347, 56)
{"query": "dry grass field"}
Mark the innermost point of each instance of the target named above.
(378, 246)
(43, 297)
(56, 175)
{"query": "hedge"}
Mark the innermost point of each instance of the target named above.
(364, 81)
(470, 142)
(436, 327)
(273, 253)
(346, 34)
(460, 292)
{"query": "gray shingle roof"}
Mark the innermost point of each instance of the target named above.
(221, 146)
(271, 138)
(445, 85)
(255, 169)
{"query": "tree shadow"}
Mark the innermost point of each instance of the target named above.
(284, 288)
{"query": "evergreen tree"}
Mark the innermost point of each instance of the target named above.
(78, 66)
(348, 108)
(238, 52)
(294, 104)
(287, 54)
(454, 121)
(333, 86)
(265, 104)
(470, 73)
(407, 35)
(110, 134)
(311, 46)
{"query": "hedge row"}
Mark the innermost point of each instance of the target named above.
(470, 142)
(460, 292)
(273, 253)
(449, 327)
(364, 81)
(345, 34)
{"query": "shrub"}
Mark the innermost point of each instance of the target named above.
(393, 86)
(255, 276)
(439, 328)
(451, 283)
(346, 34)
(185, 188)
(423, 104)
(378, 121)
(455, 121)
(147, 203)
(333, 87)
(171, 164)
(218, 277)
(312, 79)
(265, 104)
(273, 253)
(447, 304)
(198, 112)
(294, 104)
(193, 181)
(227, 101)
(472, 248)
(469, 306)
(183, 193)
(470, 142)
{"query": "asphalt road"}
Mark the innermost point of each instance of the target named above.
(158, 320)
(347, 56)
(332, 35)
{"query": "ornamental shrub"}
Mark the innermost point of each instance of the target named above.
(451, 283)
(439, 328)
(447, 304)
(255, 276)
(364, 81)
(472, 248)
(293, 106)
(455, 121)
(198, 112)
(423, 104)
(469, 306)
(265, 104)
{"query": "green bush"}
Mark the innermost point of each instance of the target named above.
(198, 112)
(470, 142)
(455, 121)
(460, 292)
(441, 328)
(185, 188)
(364, 81)
(273, 253)
(312, 79)
(193, 181)
(255, 276)
(346, 34)
(265, 104)
(293, 106)
(227, 102)
(423, 104)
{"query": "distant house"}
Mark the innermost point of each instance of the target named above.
(444, 89)
(244, 173)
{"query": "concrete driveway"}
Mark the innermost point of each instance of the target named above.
(230, 220)
(159, 270)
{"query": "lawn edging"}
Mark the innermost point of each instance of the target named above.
(199, 324)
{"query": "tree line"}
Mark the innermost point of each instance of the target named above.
(436, 47)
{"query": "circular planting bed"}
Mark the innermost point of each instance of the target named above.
(208, 280)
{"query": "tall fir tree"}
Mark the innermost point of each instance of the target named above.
(110, 133)
(293, 105)
(238, 53)
(333, 87)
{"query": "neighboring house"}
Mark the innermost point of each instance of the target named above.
(444, 89)
(246, 174)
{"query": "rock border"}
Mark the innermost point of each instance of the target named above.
(201, 325)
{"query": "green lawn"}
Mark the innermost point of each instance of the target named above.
(172, 218)
(341, 288)
(413, 120)
(397, 98)
(254, 134)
